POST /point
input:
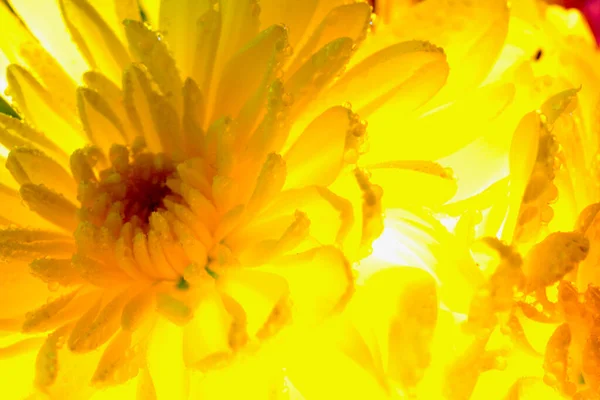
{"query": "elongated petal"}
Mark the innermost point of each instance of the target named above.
(425, 183)
(262, 296)
(37, 105)
(239, 23)
(330, 279)
(166, 361)
(316, 158)
(33, 166)
(252, 69)
(179, 22)
(50, 206)
(96, 41)
(46, 23)
(147, 47)
(428, 137)
(15, 133)
(21, 47)
(349, 21)
(101, 124)
(386, 76)
(295, 13)
(150, 113)
(209, 32)
(318, 71)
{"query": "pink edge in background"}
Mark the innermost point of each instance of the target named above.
(591, 10)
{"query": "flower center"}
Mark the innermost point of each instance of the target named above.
(132, 188)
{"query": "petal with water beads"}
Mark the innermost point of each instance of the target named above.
(21, 47)
(32, 166)
(194, 110)
(45, 21)
(389, 77)
(50, 206)
(55, 270)
(111, 94)
(317, 72)
(96, 41)
(316, 158)
(100, 123)
(147, 47)
(239, 23)
(178, 20)
(59, 311)
(250, 72)
(37, 106)
(331, 216)
(150, 112)
(346, 21)
(295, 13)
(122, 358)
(16, 133)
(209, 33)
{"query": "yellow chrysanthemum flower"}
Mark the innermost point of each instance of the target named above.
(181, 190)
(500, 297)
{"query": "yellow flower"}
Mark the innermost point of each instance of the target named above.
(191, 186)
(504, 309)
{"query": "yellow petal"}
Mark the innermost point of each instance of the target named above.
(209, 32)
(89, 334)
(239, 23)
(296, 14)
(317, 71)
(259, 293)
(51, 270)
(428, 137)
(387, 77)
(202, 342)
(425, 183)
(194, 109)
(37, 105)
(21, 47)
(33, 166)
(114, 12)
(95, 39)
(17, 213)
(50, 206)
(471, 34)
(326, 271)
(330, 215)
(122, 359)
(151, 113)
(147, 47)
(250, 72)
(316, 158)
(269, 183)
(46, 23)
(523, 153)
(14, 132)
(111, 94)
(99, 122)
(346, 21)
(166, 361)
(61, 373)
(409, 315)
(56, 312)
(178, 21)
